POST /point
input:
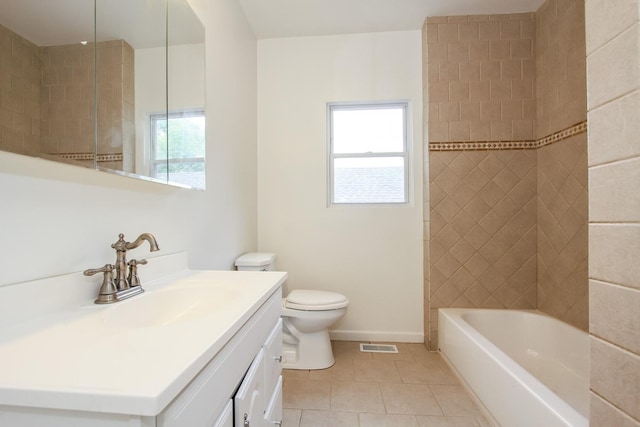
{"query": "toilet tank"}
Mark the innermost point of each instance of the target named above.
(256, 261)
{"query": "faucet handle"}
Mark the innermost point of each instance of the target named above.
(108, 290)
(108, 268)
(133, 278)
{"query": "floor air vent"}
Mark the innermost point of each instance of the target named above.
(378, 348)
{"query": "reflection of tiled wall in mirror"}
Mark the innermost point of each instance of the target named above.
(19, 94)
(47, 97)
(67, 100)
(128, 107)
(115, 77)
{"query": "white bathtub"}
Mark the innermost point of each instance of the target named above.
(527, 369)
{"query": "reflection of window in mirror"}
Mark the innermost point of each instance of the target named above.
(178, 147)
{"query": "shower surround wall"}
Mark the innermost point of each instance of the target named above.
(561, 88)
(481, 97)
(507, 163)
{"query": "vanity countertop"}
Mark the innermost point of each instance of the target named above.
(131, 357)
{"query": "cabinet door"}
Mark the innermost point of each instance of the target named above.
(273, 358)
(249, 400)
(226, 418)
(273, 414)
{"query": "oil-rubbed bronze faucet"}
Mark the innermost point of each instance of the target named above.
(123, 286)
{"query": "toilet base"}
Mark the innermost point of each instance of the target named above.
(313, 351)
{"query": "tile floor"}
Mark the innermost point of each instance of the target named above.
(411, 388)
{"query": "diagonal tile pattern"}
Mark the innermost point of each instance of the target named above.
(483, 230)
(412, 388)
(562, 231)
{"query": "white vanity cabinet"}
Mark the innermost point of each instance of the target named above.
(257, 346)
(226, 418)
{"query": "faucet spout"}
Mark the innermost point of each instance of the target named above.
(141, 238)
(121, 247)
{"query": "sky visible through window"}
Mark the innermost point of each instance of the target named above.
(379, 130)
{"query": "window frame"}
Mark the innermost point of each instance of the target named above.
(153, 161)
(405, 154)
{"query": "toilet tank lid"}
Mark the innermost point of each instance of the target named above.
(302, 297)
(255, 259)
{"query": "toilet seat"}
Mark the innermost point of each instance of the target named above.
(307, 300)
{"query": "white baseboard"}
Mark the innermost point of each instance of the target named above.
(377, 336)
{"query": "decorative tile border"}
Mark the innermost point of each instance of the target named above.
(481, 145)
(510, 145)
(114, 157)
(563, 134)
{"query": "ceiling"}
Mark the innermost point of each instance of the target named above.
(58, 22)
(141, 23)
(297, 18)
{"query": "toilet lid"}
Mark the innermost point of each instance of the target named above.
(301, 299)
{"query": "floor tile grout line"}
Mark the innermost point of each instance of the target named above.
(412, 356)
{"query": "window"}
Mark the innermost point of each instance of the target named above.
(178, 147)
(368, 157)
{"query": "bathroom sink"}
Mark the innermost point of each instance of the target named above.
(170, 306)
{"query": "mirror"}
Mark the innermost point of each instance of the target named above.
(115, 85)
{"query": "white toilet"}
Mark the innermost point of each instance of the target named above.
(306, 318)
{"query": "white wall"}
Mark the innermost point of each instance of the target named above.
(373, 255)
(56, 219)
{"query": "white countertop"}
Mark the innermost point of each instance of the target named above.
(82, 358)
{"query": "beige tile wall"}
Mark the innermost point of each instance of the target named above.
(561, 102)
(613, 62)
(561, 87)
(483, 230)
(128, 107)
(562, 247)
(47, 98)
(67, 99)
(481, 87)
(19, 93)
(425, 177)
(115, 96)
(481, 73)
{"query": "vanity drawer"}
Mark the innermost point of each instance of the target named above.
(273, 357)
